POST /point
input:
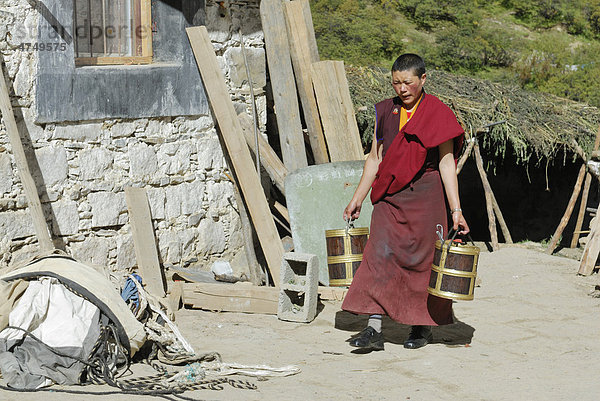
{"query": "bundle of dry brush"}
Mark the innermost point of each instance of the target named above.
(537, 126)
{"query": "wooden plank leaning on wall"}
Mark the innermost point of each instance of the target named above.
(231, 131)
(303, 48)
(144, 241)
(336, 111)
(285, 97)
(33, 199)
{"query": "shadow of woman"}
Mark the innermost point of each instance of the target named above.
(457, 333)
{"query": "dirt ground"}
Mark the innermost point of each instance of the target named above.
(532, 333)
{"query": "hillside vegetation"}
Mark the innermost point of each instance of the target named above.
(545, 45)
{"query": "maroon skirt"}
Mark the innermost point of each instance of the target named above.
(393, 276)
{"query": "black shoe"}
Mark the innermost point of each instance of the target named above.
(368, 338)
(419, 337)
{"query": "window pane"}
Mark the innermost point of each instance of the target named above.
(103, 28)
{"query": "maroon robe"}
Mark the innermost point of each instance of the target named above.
(408, 202)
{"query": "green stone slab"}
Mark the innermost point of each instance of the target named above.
(316, 197)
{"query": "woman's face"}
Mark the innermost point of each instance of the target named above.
(408, 86)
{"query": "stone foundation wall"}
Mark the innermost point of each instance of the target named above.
(84, 166)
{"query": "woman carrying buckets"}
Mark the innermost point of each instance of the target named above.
(411, 173)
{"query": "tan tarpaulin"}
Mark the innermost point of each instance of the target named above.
(85, 281)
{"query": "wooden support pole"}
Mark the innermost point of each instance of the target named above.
(33, 199)
(464, 157)
(304, 53)
(567, 215)
(486, 184)
(268, 158)
(233, 137)
(591, 250)
(584, 198)
(285, 96)
(582, 206)
(487, 189)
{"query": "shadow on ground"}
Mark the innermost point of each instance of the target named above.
(458, 333)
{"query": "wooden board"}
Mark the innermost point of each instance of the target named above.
(353, 134)
(341, 139)
(303, 55)
(33, 199)
(287, 110)
(268, 158)
(233, 137)
(144, 241)
(311, 38)
(231, 297)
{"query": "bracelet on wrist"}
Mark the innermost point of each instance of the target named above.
(456, 209)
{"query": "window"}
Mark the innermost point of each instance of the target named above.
(112, 32)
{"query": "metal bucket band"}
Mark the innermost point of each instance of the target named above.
(451, 295)
(341, 232)
(357, 257)
(460, 249)
(453, 272)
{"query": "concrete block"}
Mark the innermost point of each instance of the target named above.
(299, 287)
(316, 197)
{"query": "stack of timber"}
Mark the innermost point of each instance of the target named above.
(314, 115)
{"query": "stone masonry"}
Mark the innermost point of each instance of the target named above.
(84, 166)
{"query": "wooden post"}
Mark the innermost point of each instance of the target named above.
(488, 192)
(144, 241)
(591, 250)
(33, 199)
(343, 140)
(464, 157)
(285, 97)
(584, 198)
(487, 189)
(268, 158)
(582, 206)
(303, 55)
(233, 137)
(567, 215)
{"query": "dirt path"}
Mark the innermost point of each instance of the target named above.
(532, 333)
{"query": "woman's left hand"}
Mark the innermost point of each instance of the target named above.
(459, 221)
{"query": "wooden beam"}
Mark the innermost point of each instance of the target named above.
(268, 158)
(33, 199)
(567, 215)
(303, 55)
(233, 137)
(144, 241)
(343, 140)
(231, 297)
(285, 97)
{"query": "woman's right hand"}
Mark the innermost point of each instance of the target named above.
(352, 211)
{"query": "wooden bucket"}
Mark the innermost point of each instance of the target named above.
(344, 253)
(454, 270)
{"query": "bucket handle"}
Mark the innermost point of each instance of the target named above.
(349, 224)
(454, 233)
